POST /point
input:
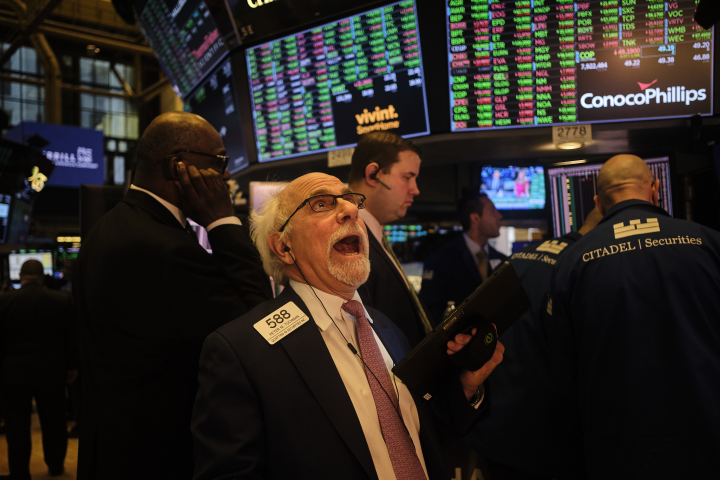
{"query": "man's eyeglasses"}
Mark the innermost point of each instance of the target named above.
(325, 203)
(223, 158)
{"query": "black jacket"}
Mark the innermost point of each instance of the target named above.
(282, 411)
(147, 295)
(635, 331)
(451, 273)
(386, 290)
(36, 333)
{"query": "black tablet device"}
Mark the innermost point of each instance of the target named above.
(501, 300)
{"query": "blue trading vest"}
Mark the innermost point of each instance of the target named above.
(528, 427)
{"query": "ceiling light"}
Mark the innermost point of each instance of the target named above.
(571, 162)
(569, 145)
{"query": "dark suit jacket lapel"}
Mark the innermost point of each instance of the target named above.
(380, 252)
(308, 352)
(149, 204)
(469, 261)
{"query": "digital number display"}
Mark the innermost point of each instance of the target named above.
(185, 39)
(322, 88)
(549, 62)
(216, 101)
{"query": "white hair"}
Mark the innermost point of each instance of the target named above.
(264, 222)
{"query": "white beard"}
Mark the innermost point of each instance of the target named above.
(353, 273)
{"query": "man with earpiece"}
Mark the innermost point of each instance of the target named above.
(385, 168)
(302, 386)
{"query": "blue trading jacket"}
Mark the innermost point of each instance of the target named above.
(529, 427)
(635, 332)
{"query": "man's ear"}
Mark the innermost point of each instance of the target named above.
(598, 204)
(278, 247)
(371, 171)
(474, 218)
(170, 167)
(655, 191)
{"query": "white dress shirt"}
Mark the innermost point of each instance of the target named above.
(177, 213)
(353, 375)
(376, 229)
(475, 248)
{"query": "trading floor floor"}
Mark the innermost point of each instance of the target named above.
(38, 469)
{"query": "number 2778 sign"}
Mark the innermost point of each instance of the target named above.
(574, 133)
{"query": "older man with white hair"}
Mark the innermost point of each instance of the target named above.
(302, 385)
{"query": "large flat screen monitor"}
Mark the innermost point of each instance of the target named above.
(4, 215)
(572, 189)
(216, 101)
(543, 62)
(322, 88)
(16, 261)
(185, 38)
(514, 188)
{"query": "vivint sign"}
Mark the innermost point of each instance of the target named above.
(647, 96)
(76, 152)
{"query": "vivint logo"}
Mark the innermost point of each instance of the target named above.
(671, 95)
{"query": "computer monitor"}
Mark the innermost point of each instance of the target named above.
(16, 260)
(4, 215)
(572, 189)
(514, 188)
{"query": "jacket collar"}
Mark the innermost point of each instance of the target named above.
(142, 200)
(615, 209)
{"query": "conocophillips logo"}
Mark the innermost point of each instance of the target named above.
(671, 95)
(377, 116)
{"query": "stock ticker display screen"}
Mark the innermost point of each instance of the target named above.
(572, 192)
(322, 88)
(185, 39)
(550, 62)
(216, 101)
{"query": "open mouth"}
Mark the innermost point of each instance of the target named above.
(348, 246)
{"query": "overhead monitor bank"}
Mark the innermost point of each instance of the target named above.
(322, 88)
(216, 101)
(543, 62)
(184, 37)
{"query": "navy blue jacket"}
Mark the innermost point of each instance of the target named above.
(529, 428)
(451, 273)
(635, 328)
(282, 411)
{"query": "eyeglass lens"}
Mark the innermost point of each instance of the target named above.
(323, 203)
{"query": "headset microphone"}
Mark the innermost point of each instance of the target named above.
(374, 177)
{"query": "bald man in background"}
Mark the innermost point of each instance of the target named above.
(634, 329)
(147, 295)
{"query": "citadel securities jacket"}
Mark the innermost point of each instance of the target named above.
(281, 411)
(451, 273)
(635, 328)
(147, 295)
(531, 428)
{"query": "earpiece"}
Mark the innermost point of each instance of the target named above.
(286, 249)
(374, 177)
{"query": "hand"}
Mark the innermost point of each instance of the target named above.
(471, 381)
(72, 375)
(203, 194)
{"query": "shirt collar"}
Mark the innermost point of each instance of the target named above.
(631, 203)
(177, 213)
(474, 247)
(331, 303)
(372, 224)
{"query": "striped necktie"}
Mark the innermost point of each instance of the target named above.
(403, 456)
